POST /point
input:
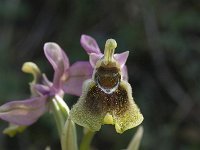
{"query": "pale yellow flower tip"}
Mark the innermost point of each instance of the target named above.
(32, 68)
(110, 46)
(108, 119)
(13, 129)
(128, 122)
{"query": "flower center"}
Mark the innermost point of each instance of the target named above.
(107, 79)
(108, 73)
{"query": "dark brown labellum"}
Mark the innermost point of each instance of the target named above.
(99, 101)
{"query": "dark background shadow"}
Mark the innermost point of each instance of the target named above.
(163, 38)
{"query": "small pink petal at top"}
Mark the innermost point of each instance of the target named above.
(56, 56)
(58, 59)
(89, 44)
(121, 58)
(94, 58)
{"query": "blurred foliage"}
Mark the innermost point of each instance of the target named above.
(164, 42)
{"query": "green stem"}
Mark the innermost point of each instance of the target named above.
(63, 106)
(60, 112)
(87, 138)
(66, 127)
(57, 116)
(135, 142)
(68, 136)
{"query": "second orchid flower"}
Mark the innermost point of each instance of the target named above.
(26, 112)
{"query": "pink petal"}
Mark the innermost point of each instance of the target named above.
(94, 58)
(125, 73)
(74, 85)
(56, 55)
(80, 68)
(58, 60)
(121, 58)
(45, 81)
(24, 112)
(78, 73)
(89, 44)
(42, 89)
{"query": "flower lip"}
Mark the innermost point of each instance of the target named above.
(96, 107)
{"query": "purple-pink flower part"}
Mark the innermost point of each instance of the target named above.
(66, 80)
(91, 47)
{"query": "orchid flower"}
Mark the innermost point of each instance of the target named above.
(91, 47)
(106, 97)
(26, 112)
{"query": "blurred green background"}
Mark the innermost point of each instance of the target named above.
(163, 38)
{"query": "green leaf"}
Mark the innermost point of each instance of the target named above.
(68, 136)
(135, 142)
(88, 136)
